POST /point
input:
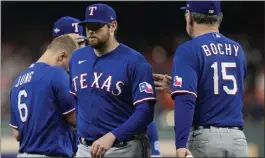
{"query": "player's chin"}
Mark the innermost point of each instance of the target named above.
(93, 42)
(94, 45)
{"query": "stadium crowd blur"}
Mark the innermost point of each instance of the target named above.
(155, 29)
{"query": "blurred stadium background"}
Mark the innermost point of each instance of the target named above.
(153, 28)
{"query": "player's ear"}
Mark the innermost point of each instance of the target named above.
(114, 26)
(62, 56)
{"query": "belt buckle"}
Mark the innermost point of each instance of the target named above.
(120, 144)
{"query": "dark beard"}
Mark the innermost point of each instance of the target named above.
(98, 45)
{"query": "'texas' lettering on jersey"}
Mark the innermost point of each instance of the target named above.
(116, 89)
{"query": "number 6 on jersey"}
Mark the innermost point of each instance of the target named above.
(21, 106)
(225, 76)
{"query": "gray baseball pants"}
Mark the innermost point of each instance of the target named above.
(30, 155)
(137, 148)
(217, 142)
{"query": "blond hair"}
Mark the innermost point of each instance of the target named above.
(64, 43)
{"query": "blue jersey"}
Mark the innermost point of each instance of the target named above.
(212, 68)
(108, 88)
(39, 99)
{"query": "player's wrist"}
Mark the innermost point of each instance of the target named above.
(111, 137)
(115, 134)
(181, 146)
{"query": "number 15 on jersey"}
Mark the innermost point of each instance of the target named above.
(225, 67)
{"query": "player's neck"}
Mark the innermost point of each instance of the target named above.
(199, 30)
(46, 58)
(107, 48)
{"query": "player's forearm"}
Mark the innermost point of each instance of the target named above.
(137, 123)
(16, 134)
(184, 110)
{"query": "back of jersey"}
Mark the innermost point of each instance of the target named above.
(36, 114)
(221, 73)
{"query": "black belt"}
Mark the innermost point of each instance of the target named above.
(115, 144)
(208, 127)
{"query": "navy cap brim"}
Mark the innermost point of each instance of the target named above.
(184, 8)
(92, 21)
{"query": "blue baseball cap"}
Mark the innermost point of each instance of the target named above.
(66, 25)
(203, 7)
(99, 13)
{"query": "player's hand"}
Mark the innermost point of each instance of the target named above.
(162, 82)
(183, 152)
(78, 39)
(102, 145)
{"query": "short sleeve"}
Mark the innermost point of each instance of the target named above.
(184, 74)
(13, 121)
(142, 83)
(60, 84)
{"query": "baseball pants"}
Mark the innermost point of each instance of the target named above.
(136, 148)
(217, 142)
(30, 155)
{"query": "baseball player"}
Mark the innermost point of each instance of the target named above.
(113, 85)
(208, 81)
(42, 110)
(69, 25)
(66, 25)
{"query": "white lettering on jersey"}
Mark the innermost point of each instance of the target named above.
(76, 26)
(74, 82)
(82, 78)
(118, 88)
(83, 81)
(107, 84)
(26, 78)
(96, 78)
(206, 50)
(236, 49)
(92, 9)
(219, 48)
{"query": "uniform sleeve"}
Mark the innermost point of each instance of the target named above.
(142, 83)
(184, 74)
(60, 84)
(13, 121)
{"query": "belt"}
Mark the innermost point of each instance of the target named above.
(115, 144)
(208, 127)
